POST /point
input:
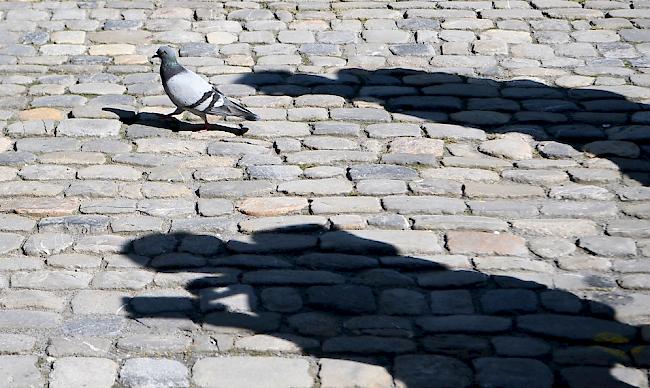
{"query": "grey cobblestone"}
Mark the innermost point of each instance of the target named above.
(294, 371)
(20, 370)
(71, 371)
(139, 372)
(13, 319)
(16, 343)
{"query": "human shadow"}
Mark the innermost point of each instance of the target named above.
(157, 120)
(601, 120)
(354, 296)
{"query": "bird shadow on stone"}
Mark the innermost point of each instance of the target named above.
(356, 296)
(596, 119)
(161, 121)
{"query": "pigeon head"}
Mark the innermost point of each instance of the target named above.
(166, 54)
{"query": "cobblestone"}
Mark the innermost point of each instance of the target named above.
(70, 371)
(475, 242)
(142, 372)
(12, 319)
(513, 372)
(337, 373)
(16, 343)
(409, 370)
(20, 371)
(232, 371)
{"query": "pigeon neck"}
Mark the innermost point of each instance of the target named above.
(170, 68)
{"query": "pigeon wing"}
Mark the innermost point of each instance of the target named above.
(188, 90)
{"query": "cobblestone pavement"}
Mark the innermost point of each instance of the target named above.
(439, 194)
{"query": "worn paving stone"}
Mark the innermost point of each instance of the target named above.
(87, 302)
(11, 319)
(330, 186)
(16, 343)
(53, 280)
(72, 371)
(556, 227)
(451, 302)
(236, 189)
(579, 209)
(263, 207)
(30, 188)
(489, 190)
(288, 277)
(355, 299)
(418, 371)
(382, 172)
(112, 172)
(590, 355)
(271, 242)
(512, 372)
(340, 373)
(608, 246)
(510, 147)
(282, 299)
(628, 228)
(368, 345)
(504, 301)
(154, 343)
(458, 222)
(458, 345)
(590, 328)
(551, 247)
(460, 174)
(17, 299)
(47, 243)
(381, 187)
(576, 191)
(328, 205)
(451, 279)
(84, 224)
(485, 243)
(239, 371)
(10, 242)
(394, 242)
(144, 372)
(89, 127)
(20, 371)
(423, 205)
(296, 223)
(520, 346)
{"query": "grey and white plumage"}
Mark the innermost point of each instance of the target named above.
(189, 92)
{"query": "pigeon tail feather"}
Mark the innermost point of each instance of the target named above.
(238, 110)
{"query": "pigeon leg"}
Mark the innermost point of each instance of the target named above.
(205, 123)
(176, 112)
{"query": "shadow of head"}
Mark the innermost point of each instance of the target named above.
(358, 297)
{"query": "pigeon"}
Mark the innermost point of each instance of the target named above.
(189, 92)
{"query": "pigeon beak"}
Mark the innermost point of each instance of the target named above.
(156, 55)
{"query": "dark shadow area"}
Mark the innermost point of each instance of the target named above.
(342, 295)
(157, 120)
(602, 122)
